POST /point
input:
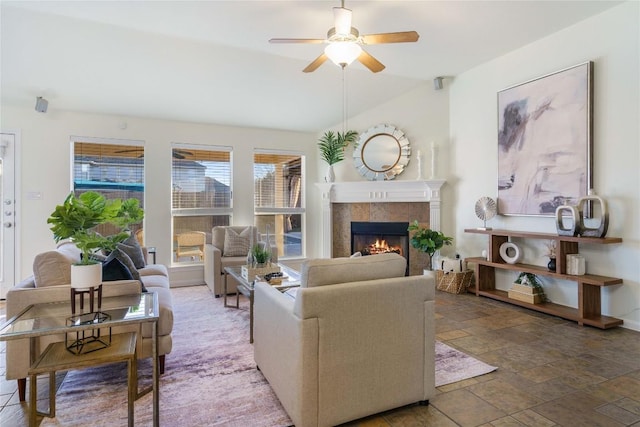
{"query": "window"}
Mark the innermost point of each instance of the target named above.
(279, 200)
(201, 197)
(115, 170)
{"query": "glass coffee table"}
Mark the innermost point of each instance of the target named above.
(54, 318)
(291, 279)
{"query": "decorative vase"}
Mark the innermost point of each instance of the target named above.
(330, 176)
(552, 264)
(510, 253)
(84, 276)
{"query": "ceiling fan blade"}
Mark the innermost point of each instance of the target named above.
(296, 41)
(370, 62)
(401, 37)
(316, 63)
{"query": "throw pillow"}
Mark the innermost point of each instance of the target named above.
(51, 268)
(113, 269)
(124, 259)
(132, 248)
(237, 244)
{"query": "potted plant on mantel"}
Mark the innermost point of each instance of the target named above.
(427, 240)
(332, 146)
(76, 220)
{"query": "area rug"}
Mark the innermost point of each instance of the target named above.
(453, 365)
(210, 379)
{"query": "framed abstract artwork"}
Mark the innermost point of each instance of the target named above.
(545, 142)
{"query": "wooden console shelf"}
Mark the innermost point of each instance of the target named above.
(589, 285)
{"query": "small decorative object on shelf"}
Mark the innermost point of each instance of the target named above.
(577, 217)
(576, 265)
(601, 229)
(551, 253)
(485, 210)
(510, 253)
(527, 288)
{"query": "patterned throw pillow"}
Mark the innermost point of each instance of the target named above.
(237, 244)
(132, 248)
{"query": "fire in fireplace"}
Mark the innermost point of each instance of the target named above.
(371, 238)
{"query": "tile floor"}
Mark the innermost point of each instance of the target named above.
(552, 372)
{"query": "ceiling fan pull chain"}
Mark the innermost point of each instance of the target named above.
(344, 99)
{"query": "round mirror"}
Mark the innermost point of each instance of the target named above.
(382, 152)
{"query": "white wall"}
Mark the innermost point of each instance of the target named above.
(46, 157)
(611, 41)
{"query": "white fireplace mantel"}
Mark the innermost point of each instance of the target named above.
(377, 192)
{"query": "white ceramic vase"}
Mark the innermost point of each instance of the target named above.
(330, 176)
(86, 276)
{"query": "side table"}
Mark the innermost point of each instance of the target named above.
(56, 357)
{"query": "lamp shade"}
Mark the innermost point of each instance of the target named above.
(343, 53)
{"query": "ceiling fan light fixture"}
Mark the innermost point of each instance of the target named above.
(343, 53)
(342, 19)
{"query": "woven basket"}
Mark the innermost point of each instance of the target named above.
(454, 283)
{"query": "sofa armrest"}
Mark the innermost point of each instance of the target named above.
(212, 266)
(285, 350)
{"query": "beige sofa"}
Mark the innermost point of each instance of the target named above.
(51, 282)
(216, 258)
(357, 339)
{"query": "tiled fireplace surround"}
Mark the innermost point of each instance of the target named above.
(379, 201)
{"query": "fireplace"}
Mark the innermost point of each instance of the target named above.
(370, 238)
(381, 201)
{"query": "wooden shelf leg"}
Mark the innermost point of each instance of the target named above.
(589, 301)
(485, 278)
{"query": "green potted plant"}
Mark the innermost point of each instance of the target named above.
(261, 254)
(427, 240)
(76, 219)
(332, 145)
(528, 288)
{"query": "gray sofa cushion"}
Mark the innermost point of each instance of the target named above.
(320, 272)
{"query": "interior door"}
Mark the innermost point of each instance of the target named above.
(8, 215)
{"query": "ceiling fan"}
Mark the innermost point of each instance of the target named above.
(344, 43)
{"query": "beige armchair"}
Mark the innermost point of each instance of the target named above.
(357, 339)
(226, 252)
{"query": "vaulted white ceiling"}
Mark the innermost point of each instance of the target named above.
(210, 61)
